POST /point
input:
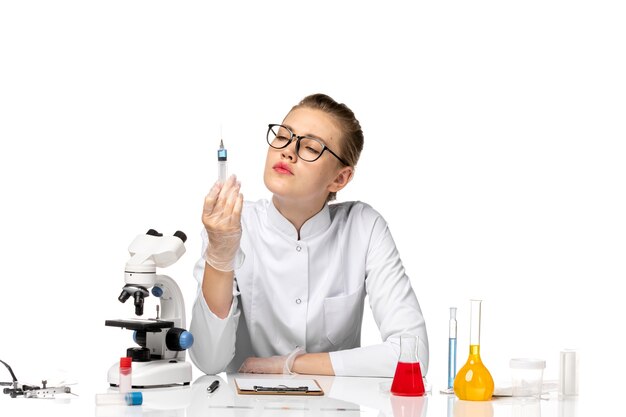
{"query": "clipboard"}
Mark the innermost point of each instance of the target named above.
(254, 386)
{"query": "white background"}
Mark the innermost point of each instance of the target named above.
(494, 148)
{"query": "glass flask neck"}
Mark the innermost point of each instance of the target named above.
(475, 323)
(474, 353)
(408, 348)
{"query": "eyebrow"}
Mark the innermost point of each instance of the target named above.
(307, 135)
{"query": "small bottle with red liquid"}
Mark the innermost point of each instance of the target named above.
(125, 382)
(408, 379)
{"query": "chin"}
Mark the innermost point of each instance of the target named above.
(273, 185)
(277, 189)
(282, 190)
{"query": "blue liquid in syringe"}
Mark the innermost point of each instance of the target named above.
(451, 361)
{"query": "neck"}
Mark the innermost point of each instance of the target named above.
(297, 212)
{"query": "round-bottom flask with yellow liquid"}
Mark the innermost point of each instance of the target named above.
(473, 382)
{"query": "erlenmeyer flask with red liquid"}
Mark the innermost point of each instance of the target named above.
(408, 378)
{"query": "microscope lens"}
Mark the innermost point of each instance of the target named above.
(123, 296)
(138, 303)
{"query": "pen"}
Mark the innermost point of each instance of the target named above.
(214, 385)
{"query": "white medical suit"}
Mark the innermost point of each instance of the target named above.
(310, 293)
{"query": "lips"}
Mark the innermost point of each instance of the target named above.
(282, 168)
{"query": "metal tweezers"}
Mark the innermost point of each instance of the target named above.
(281, 388)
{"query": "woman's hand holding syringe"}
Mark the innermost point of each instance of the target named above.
(221, 217)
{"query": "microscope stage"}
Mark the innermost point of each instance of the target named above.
(148, 325)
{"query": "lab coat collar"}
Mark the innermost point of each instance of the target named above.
(319, 223)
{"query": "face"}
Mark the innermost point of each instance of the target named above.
(290, 178)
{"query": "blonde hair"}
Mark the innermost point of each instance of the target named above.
(352, 135)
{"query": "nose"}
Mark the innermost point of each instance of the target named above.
(289, 151)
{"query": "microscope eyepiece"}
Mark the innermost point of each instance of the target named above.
(181, 236)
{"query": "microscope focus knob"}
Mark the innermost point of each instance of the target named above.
(140, 337)
(178, 339)
(139, 354)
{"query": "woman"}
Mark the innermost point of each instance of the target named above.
(282, 282)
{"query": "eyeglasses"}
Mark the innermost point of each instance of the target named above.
(307, 148)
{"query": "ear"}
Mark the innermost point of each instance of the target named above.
(343, 177)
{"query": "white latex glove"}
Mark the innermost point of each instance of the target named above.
(221, 217)
(271, 365)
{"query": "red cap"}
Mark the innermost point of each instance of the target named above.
(126, 362)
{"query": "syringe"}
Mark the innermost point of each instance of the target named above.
(222, 163)
(452, 349)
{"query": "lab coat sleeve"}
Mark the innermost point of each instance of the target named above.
(214, 338)
(395, 309)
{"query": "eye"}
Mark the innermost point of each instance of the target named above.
(312, 150)
(281, 136)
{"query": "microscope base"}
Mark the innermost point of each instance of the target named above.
(155, 373)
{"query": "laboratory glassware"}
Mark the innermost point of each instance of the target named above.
(568, 372)
(452, 348)
(128, 398)
(408, 379)
(527, 376)
(125, 381)
(473, 382)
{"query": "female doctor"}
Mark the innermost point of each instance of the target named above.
(283, 282)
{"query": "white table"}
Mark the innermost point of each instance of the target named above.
(344, 396)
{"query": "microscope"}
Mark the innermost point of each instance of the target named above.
(159, 360)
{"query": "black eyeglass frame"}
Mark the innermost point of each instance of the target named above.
(298, 139)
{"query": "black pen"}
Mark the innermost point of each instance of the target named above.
(214, 385)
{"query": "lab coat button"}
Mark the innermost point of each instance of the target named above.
(298, 301)
(298, 248)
